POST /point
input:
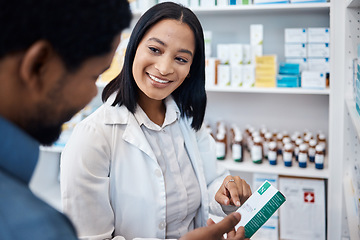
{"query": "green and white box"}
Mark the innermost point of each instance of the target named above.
(260, 206)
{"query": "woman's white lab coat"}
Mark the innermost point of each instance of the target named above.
(112, 185)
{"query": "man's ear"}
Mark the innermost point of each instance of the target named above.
(34, 64)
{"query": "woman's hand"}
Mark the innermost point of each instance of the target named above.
(216, 231)
(233, 191)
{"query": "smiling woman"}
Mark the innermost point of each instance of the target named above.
(149, 133)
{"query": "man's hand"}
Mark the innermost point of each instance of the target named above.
(216, 231)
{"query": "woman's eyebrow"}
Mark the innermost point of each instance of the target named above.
(164, 44)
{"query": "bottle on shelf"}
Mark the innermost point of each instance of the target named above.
(303, 155)
(288, 154)
(296, 148)
(267, 140)
(256, 150)
(322, 140)
(272, 153)
(311, 151)
(279, 138)
(220, 145)
(237, 147)
(319, 156)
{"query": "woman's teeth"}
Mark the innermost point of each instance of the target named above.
(157, 80)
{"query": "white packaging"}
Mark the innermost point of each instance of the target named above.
(223, 53)
(248, 75)
(223, 75)
(296, 50)
(303, 62)
(313, 80)
(207, 41)
(146, 4)
(236, 75)
(296, 35)
(247, 55)
(256, 34)
(210, 71)
(194, 3)
(256, 51)
(207, 3)
(321, 50)
(182, 2)
(259, 207)
(236, 54)
(222, 2)
(318, 35)
(319, 64)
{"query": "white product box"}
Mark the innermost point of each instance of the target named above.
(236, 75)
(247, 54)
(321, 50)
(295, 50)
(223, 53)
(319, 64)
(236, 54)
(146, 4)
(256, 51)
(207, 3)
(194, 3)
(318, 35)
(210, 71)
(249, 75)
(222, 2)
(256, 34)
(259, 207)
(207, 41)
(302, 61)
(223, 75)
(313, 80)
(295, 35)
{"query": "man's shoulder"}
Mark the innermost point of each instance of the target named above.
(24, 216)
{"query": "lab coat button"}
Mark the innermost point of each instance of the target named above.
(162, 225)
(158, 173)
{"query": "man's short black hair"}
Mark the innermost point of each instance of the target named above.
(77, 29)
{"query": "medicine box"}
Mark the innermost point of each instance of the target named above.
(223, 53)
(236, 54)
(223, 75)
(295, 35)
(256, 34)
(289, 68)
(301, 61)
(321, 50)
(248, 75)
(265, 81)
(296, 50)
(283, 80)
(313, 80)
(247, 55)
(318, 35)
(269, 1)
(236, 75)
(319, 64)
(211, 71)
(259, 207)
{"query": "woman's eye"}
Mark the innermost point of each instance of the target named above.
(182, 60)
(155, 50)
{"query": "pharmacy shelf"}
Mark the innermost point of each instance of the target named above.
(270, 90)
(254, 8)
(262, 7)
(353, 3)
(248, 166)
(350, 104)
(351, 208)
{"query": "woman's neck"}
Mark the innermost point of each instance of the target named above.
(154, 109)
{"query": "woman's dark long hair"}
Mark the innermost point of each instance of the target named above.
(190, 96)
